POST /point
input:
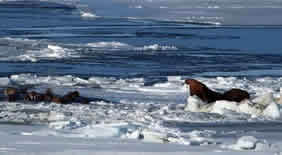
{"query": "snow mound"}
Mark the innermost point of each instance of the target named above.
(249, 143)
(264, 105)
(194, 104)
(272, 111)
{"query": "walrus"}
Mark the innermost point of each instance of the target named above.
(205, 94)
(202, 91)
(10, 91)
(13, 93)
(66, 99)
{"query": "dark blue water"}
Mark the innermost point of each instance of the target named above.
(185, 48)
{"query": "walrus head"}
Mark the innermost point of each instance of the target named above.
(10, 91)
(202, 91)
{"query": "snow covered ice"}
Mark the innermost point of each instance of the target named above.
(157, 121)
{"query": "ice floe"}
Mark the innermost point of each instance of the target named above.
(88, 15)
(250, 143)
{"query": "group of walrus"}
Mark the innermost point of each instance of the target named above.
(196, 88)
(13, 94)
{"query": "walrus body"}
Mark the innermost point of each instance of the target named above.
(236, 95)
(207, 95)
(14, 94)
(68, 98)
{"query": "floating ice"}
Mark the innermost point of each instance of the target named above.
(110, 45)
(272, 111)
(88, 15)
(137, 7)
(32, 50)
(119, 45)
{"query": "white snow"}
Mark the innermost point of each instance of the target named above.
(194, 104)
(272, 111)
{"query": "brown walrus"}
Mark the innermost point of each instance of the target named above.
(202, 91)
(48, 96)
(69, 98)
(205, 94)
(13, 93)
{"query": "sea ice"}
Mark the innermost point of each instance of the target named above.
(272, 111)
